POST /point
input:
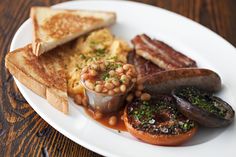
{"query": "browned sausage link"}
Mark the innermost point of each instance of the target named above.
(164, 82)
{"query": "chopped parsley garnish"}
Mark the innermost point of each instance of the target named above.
(201, 99)
(159, 116)
(93, 43)
(145, 102)
(113, 58)
(144, 114)
(99, 52)
(186, 125)
(82, 56)
(105, 76)
(91, 59)
(113, 65)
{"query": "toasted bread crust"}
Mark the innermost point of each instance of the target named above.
(36, 43)
(56, 97)
(37, 48)
(25, 79)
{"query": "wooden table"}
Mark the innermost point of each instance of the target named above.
(22, 131)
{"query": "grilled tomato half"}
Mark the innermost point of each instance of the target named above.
(158, 121)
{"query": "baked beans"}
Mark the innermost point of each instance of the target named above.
(112, 120)
(109, 77)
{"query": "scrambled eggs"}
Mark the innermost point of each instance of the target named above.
(98, 45)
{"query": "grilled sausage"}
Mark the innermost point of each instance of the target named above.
(164, 82)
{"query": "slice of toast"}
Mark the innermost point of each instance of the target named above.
(53, 27)
(44, 75)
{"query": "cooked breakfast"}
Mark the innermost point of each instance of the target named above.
(147, 88)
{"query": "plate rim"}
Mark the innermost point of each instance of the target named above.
(82, 143)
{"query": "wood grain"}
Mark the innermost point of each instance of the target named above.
(22, 131)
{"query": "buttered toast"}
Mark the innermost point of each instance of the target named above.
(44, 75)
(53, 27)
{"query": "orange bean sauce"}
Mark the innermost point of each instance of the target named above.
(120, 126)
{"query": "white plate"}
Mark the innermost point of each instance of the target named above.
(206, 47)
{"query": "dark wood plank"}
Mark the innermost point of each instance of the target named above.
(22, 131)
